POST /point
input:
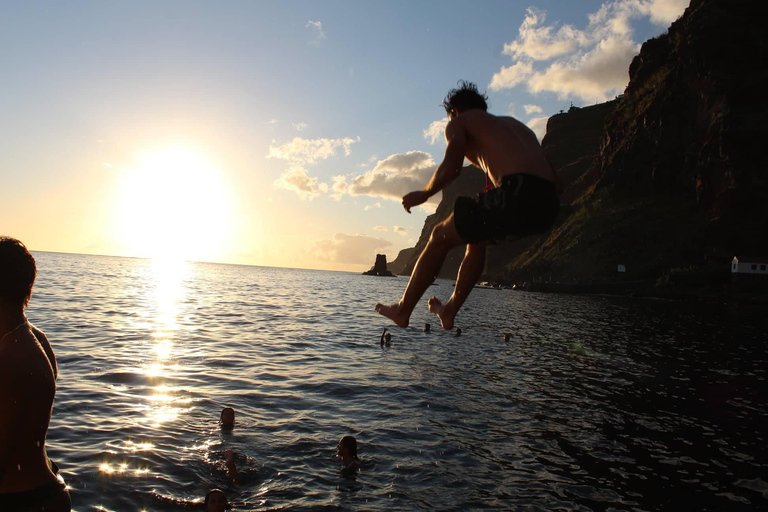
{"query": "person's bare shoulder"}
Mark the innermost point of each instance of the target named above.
(43, 340)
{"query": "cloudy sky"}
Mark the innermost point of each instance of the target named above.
(272, 133)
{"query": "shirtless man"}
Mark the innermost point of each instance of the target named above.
(523, 201)
(27, 387)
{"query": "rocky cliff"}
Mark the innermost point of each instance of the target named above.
(668, 175)
(679, 175)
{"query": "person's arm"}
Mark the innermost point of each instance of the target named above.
(229, 457)
(381, 341)
(449, 168)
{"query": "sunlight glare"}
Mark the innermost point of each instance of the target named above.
(175, 205)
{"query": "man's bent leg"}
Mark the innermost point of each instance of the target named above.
(469, 272)
(444, 237)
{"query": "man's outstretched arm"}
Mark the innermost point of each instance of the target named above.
(449, 168)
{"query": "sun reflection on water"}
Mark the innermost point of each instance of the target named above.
(169, 278)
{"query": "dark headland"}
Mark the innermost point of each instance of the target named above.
(665, 184)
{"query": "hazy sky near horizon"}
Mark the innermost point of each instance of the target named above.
(272, 133)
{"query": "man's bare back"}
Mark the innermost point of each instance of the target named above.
(501, 145)
(27, 389)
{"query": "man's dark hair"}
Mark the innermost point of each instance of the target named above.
(17, 272)
(466, 97)
(211, 493)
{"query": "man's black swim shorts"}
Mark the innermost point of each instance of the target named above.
(523, 205)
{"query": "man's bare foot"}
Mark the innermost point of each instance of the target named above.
(394, 313)
(445, 315)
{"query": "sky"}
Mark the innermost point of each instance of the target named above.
(275, 133)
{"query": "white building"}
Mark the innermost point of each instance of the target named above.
(747, 267)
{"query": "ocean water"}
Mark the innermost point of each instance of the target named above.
(596, 403)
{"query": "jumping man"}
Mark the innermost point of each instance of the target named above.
(523, 200)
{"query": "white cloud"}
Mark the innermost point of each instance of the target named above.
(394, 176)
(539, 126)
(436, 131)
(510, 76)
(302, 152)
(595, 77)
(310, 151)
(541, 42)
(300, 126)
(339, 187)
(349, 249)
(380, 228)
(664, 12)
(297, 180)
(400, 230)
(590, 64)
(532, 109)
(317, 29)
(272, 121)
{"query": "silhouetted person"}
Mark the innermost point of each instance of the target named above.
(427, 327)
(507, 337)
(227, 419)
(346, 452)
(458, 331)
(27, 387)
(386, 338)
(523, 202)
(215, 501)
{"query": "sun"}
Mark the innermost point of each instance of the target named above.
(174, 204)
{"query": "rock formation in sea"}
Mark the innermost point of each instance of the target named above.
(667, 178)
(379, 268)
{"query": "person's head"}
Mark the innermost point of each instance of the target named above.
(507, 336)
(387, 338)
(215, 501)
(347, 447)
(465, 97)
(427, 327)
(227, 419)
(458, 331)
(17, 273)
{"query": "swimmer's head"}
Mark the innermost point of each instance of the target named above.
(227, 419)
(347, 446)
(215, 501)
(458, 331)
(17, 272)
(388, 337)
(427, 327)
(507, 336)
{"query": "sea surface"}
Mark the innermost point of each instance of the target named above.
(596, 403)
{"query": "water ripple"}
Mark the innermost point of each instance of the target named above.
(595, 404)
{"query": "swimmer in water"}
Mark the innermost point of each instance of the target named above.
(427, 327)
(507, 336)
(386, 338)
(346, 452)
(458, 331)
(215, 501)
(227, 419)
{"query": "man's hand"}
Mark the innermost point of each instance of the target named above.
(414, 199)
